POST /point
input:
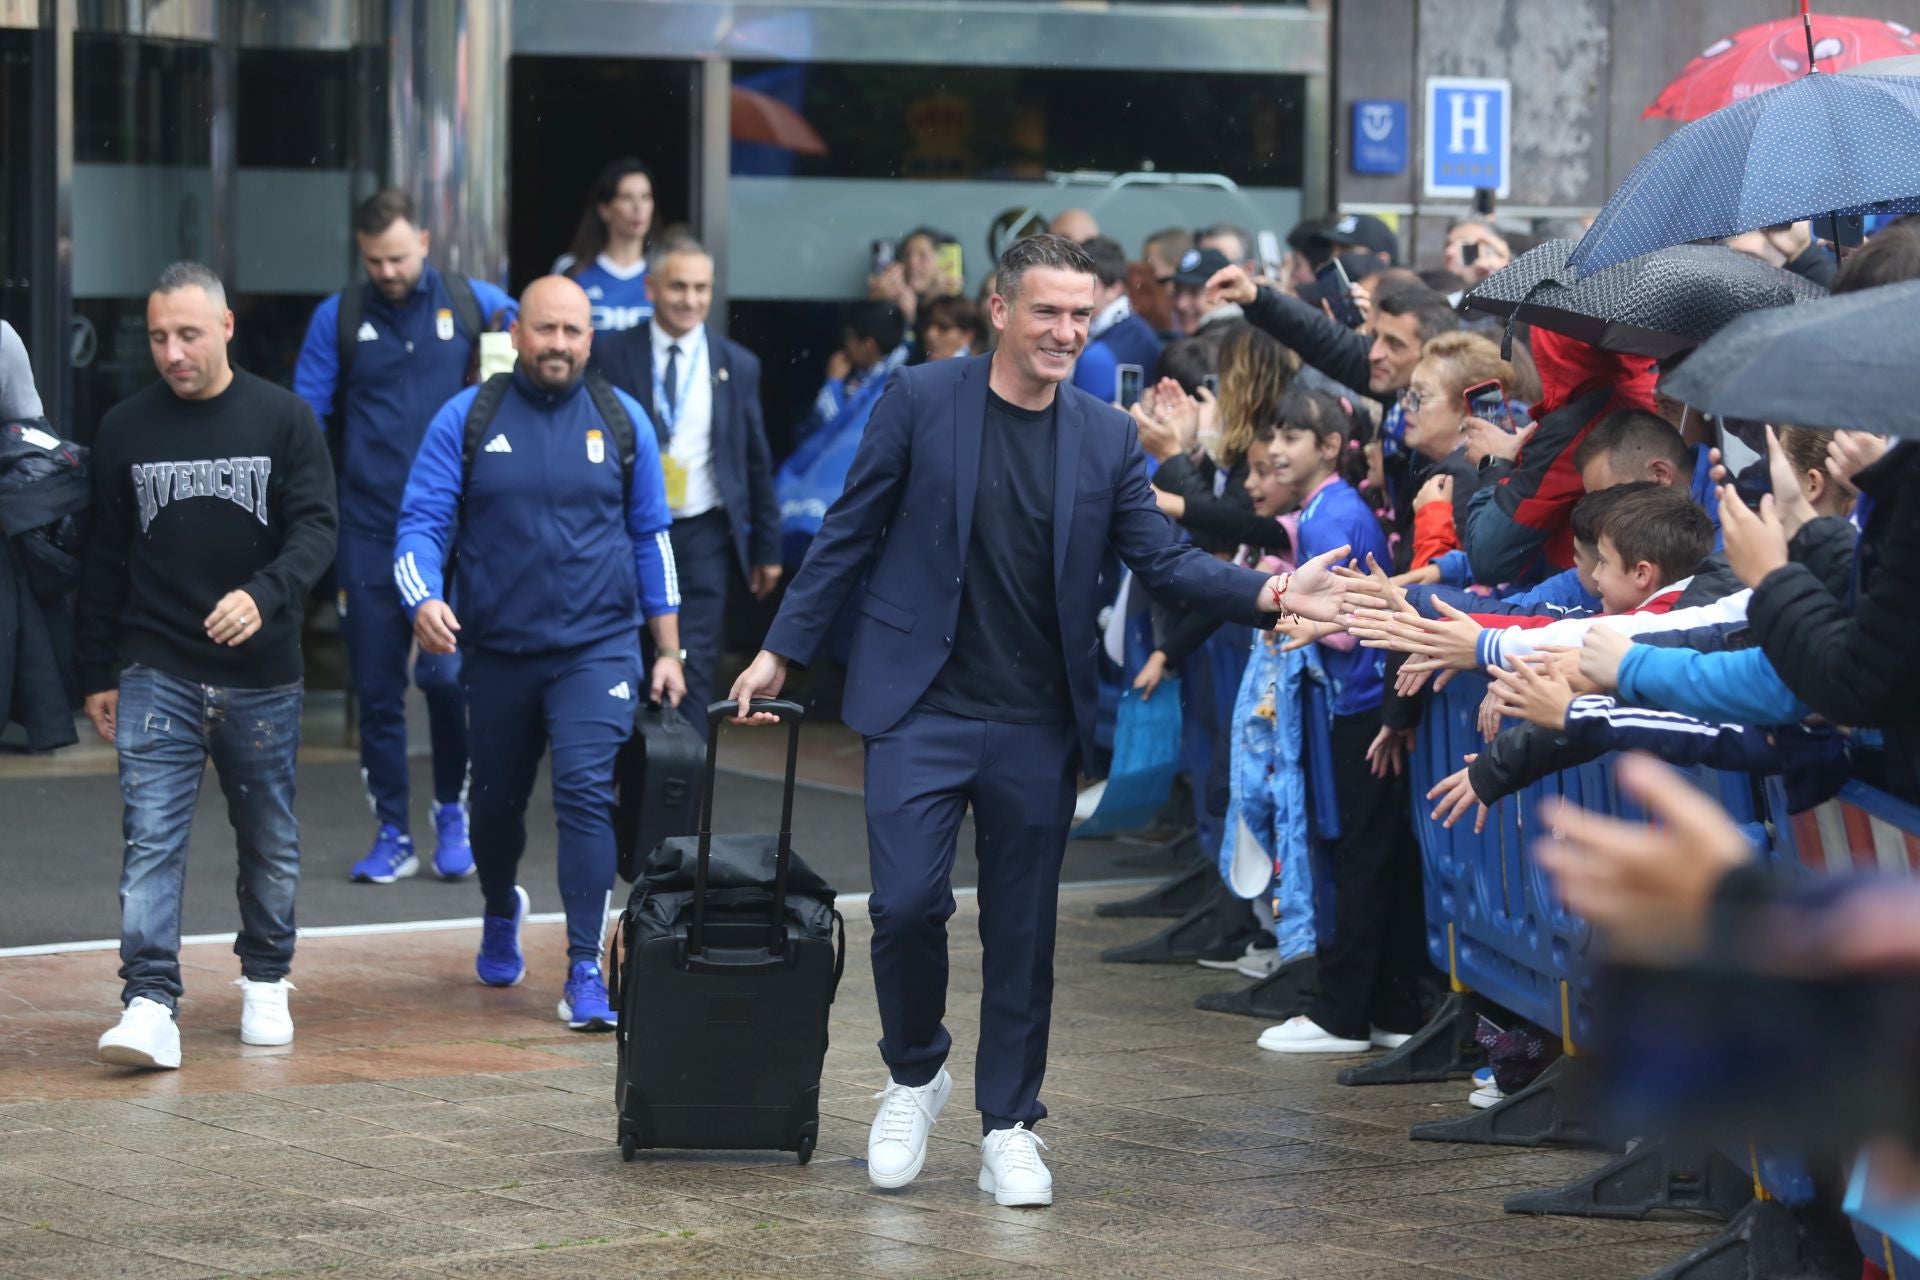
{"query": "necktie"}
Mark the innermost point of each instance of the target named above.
(673, 380)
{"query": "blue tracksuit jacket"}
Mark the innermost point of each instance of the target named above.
(551, 554)
(409, 358)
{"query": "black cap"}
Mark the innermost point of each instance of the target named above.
(1364, 230)
(1197, 266)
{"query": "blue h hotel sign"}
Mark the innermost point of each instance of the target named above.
(1379, 136)
(1469, 136)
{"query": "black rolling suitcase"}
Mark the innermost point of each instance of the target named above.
(656, 784)
(725, 963)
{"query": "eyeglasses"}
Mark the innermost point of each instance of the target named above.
(1411, 400)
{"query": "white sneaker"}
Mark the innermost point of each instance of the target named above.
(1261, 963)
(1485, 1092)
(146, 1036)
(1011, 1168)
(1304, 1035)
(263, 1012)
(1232, 964)
(897, 1142)
(1386, 1039)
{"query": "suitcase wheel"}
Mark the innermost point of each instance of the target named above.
(806, 1148)
(627, 1148)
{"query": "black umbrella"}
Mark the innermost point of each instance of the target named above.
(1654, 305)
(1844, 362)
(1818, 145)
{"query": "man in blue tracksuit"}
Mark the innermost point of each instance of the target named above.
(378, 359)
(549, 491)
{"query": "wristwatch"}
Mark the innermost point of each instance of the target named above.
(678, 655)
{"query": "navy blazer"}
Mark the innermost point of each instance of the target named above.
(742, 462)
(907, 510)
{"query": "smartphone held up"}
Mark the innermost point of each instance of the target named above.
(1336, 291)
(1488, 401)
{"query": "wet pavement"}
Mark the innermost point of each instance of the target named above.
(422, 1125)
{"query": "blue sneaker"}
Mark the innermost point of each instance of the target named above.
(390, 859)
(452, 855)
(585, 1007)
(500, 963)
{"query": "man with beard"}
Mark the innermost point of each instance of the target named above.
(547, 486)
(379, 358)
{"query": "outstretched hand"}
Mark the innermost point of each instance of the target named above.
(1312, 591)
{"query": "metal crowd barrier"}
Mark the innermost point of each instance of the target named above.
(1496, 930)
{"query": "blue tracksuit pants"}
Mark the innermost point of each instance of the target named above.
(579, 702)
(922, 776)
(379, 641)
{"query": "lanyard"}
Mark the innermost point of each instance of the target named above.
(692, 358)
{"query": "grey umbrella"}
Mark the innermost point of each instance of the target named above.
(1905, 65)
(1654, 305)
(1845, 362)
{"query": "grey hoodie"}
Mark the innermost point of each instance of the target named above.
(18, 399)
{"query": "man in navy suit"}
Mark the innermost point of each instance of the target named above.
(1116, 336)
(703, 391)
(983, 498)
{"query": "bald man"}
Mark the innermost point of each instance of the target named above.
(546, 485)
(1076, 225)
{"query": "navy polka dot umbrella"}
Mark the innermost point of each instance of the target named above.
(1655, 305)
(1825, 144)
(1845, 362)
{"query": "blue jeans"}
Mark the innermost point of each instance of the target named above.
(167, 728)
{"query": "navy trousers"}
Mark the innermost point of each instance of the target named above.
(703, 559)
(379, 641)
(922, 775)
(580, 702)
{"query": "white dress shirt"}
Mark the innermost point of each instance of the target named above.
(691, 444)
(1108, 316)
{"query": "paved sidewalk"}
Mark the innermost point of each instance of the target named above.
(425, 1126)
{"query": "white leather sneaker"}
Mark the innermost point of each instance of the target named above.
(897, 1142)
(1304, 1035)
(1011, 1168)
(146, 1036)
(1387, 1039)
(263, 1012)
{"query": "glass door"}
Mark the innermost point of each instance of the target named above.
(142, 198)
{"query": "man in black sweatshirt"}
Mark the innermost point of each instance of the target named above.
(213, 515)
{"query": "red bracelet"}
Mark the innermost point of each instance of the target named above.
(1280, 593)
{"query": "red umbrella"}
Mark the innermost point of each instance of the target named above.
(762, 118)
(1762, 57)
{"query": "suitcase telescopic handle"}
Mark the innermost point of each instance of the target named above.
(791, 714)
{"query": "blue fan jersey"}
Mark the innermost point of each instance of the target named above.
(619, 296)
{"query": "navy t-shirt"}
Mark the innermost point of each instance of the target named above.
(1006, 663)
(1333, 516)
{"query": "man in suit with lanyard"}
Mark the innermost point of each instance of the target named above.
(704, 392)
(984, 496)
